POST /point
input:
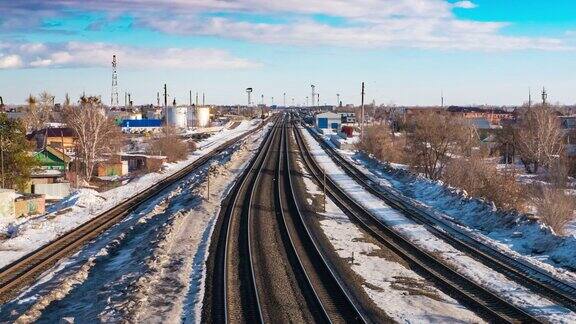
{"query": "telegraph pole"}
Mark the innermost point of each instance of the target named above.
(284, 99)
(362, 108)
(324, 189)
(190, 97)
(165, 95)
(337, 100)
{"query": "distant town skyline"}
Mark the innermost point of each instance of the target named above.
(407, 51)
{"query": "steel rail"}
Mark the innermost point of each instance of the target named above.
(27, 268)
(486, 302)
(530, 276)
(339, 297)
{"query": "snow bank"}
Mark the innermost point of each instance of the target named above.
(510, 231)
(400, 292)
(84, 204)
(418, 234)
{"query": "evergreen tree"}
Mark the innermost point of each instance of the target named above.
(17, 161)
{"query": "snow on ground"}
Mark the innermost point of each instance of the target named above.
(173, 288)
(84, 204)
(514, 234)
(498, 283)
(401, 293)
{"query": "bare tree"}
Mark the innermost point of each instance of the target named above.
(97, 135)
(169, 144)
(39, 111)
(434, 138)
(380, 141)
(555, 208)
(538, 137)
(481, 178)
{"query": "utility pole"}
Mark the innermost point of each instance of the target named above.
(306, 100)
(208, 184)
(2, 157)
(272, 100)
(165, 95)
(318, 101)
(324, 189)
(284, 99)
(190, 97)
(203, 99)
(158, 99)
(337, 100)
(544, 96)
(130, 100)
(292, 101)
(362, 113)
(529, 98)
(196, 98)
(262, 100)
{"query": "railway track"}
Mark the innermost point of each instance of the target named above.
(25, 270)
(532, 277)
(475, 296)
(240, 287)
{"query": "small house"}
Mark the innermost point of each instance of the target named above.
(62, 138)
(328, 120)
(51, 158)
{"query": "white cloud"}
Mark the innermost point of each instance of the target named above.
(76, 54)
(10, 62)
(466, 4)
(347, 23)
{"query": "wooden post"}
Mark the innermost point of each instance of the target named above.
(324, 190)
(208, 185)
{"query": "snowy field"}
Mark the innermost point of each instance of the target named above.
(29, 233)
(499, 284)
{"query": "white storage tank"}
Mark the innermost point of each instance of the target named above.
(176, 116)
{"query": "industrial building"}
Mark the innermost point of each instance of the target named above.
(328, 120)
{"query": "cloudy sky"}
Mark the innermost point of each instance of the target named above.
(407, 51)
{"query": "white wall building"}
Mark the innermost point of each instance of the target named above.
(328, 120)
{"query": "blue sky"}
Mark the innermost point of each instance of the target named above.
(407, 51)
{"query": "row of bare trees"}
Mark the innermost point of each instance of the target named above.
(446, 147)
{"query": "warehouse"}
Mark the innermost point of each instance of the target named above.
(328, 120)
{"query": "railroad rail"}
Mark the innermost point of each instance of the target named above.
(221, 248)
(530, 276)
(25, 270)
(482, 300)
(336, 298)
(237, 230)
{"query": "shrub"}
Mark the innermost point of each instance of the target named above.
(381, 142)
(483, 180)
(555, 208)
(169, 144)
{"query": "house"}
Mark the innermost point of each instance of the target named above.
(328, 120)
(111, 168)
(348, 117)
(143, 162)
(51, 158)
(62, 138)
